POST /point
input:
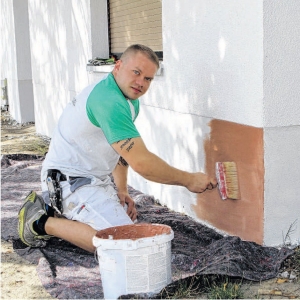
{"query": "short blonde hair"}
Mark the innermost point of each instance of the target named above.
(138, 48)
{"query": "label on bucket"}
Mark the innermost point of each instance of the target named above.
(149, 272)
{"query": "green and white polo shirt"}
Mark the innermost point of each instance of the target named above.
(98, 117)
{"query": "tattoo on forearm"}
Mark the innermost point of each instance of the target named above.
(125, 143)
(122, 162)
(130, 146)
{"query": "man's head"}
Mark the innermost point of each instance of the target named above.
(135, 70)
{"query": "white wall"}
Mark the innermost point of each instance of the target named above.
(177, 138)
(15, 59)
(281, 120)
(213, 60)
(8, 47)
(282, 181)
(213, 69)
(64, 36)
(235, 61)
(61, 46)
(281, 63)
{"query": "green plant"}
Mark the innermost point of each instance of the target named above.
(297, 258)
(225, 290)
(185, 289)
(209, 286)
(292, 263)
(287, 237)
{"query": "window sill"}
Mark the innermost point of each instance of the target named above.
(109, 68)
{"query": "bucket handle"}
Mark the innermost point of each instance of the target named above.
(96, 255)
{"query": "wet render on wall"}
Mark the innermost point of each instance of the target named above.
(243, 144)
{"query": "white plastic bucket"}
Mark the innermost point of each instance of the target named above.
(134, 258)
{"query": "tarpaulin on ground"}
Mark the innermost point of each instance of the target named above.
(68, 272)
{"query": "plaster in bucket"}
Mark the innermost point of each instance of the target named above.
(134, 258)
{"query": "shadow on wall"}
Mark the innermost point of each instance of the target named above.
(8, 57)
(59, 45)
(178, 139)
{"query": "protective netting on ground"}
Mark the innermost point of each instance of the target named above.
(68, 272)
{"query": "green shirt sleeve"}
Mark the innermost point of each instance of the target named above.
(108, 109)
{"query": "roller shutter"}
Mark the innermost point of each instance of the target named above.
(135, 22)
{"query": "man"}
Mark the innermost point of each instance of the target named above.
(96, 137)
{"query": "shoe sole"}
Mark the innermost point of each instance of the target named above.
(22, 215)
(21, 226)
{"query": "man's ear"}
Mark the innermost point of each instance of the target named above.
(117, 65)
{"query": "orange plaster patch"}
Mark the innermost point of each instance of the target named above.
(243, 144)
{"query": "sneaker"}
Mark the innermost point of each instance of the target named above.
(32, 210)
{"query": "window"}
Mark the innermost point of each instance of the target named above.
(135, 22)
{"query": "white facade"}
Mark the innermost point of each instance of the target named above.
(64, 35)
(15, 59)
(236, 61)
(231, 60)
(281, 107)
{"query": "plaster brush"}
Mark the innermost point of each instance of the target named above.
(227, 177)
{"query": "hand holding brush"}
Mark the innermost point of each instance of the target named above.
(200, 182)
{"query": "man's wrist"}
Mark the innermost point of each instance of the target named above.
(187, 178)
(123, 190)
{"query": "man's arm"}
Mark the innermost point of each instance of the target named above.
(120, 179)
(120, 175)
(153, 168)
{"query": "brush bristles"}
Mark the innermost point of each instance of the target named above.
(231, 180)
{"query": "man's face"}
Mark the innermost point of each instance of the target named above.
(134, 75)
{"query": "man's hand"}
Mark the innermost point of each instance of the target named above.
(200, 182)
(131, 210)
